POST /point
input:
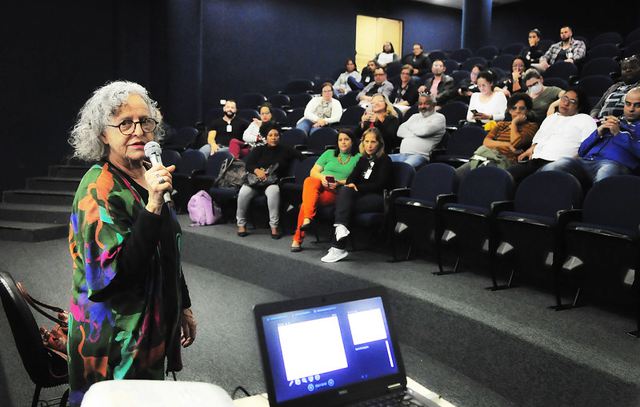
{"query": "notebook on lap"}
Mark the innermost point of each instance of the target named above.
(332, 350)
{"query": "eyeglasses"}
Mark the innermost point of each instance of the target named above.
(519, 108)
(128, 126)
(378, 74)
(567, 100)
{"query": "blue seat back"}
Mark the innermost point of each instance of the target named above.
(561, 70)
(600, 66)
(464, 141)
(251, 100)
(544, 193)
(403, 174)
(190, 161)
(351, 116)
(432, 180)
(214, 162)
(454, 112)
(293, 137)
(279, 100)
(485, 185)
(614, 202)
(324, 136)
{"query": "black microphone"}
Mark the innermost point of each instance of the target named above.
(153, 151)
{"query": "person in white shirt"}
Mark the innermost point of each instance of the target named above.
(487, 104)
(560, 135)
(321, 111)
(420, 133)
(341, 86)
(387, 55)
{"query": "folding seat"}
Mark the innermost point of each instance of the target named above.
(298, 86)
(211, 170)
(279, 100)
(279, 115)
(412, 110)
(503, 61)
(583, 39)
(601, 66)
(468, 64)
(415, 215)
(299, 99)
(559, 82)
(295, 138)
(513, 48)
(499, 74)
(458, 76)
(248, 114)
(460, 145)
(349, 99)
(603, 50)
(181, 139)
(561, 70)
(192, 163)
(631, 49)
(487, 52)
(530, 230)
(632, 36)
(321, 139)
(44, 368)
(351, 116)
(454, 112)
(595, 86)
(452, 65)
(170, 157)
(610, 37)
(393, 69)
(544, 44)
(294, 116)
(251, 100)
(213, 114)
(602, 255)
(437, 54)
(460, 55)
(468, 222)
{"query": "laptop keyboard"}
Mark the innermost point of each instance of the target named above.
(401, 398)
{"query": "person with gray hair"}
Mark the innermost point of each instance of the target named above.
(130, 306)
(420, 133)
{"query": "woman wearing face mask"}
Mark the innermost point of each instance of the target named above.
(543, 96)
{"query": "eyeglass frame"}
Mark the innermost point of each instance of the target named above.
(134, 123)
(571, 101)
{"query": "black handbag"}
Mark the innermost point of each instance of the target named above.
(252, 179)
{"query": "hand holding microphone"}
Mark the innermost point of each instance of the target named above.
(158, 178)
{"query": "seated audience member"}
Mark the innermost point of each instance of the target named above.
(543, 96)
(405, 93)
(341, 86)
(224, 129)
(420, 133)
(380, 84)
(504, 142)
(387, 55)
(612, 149)
(365, 78)
(515, 82)
(440, 86)
(559, 135)
(469, 85)
(252, 136)
(532, 53)
(486, 105)
(418, 60)
(336, 164)
(568, 50)
(383, 116)
(612, 103)
(321, 111)
(259, 162)
(362, 191)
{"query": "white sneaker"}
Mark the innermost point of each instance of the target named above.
(341, 232)
(334, 255)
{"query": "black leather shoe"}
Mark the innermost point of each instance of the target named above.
(307, 227)
(243, 233)
(276, 236)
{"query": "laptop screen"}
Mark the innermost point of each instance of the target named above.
(327, 347)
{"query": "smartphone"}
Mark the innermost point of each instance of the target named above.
(474, 111)
(330, 179)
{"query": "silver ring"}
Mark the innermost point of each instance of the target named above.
(161, 180)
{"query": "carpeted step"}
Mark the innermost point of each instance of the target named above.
(31, 231)
(53, 183)
(58, 214)
(45, 197)
(68, 171)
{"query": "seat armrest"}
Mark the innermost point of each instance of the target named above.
(500, 206)
(565, 216)
(287, 180)
(443, 199)
(398, 192)
(300, 147)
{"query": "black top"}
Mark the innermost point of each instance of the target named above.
(377, 180)
(264, 156)
(143, 240)
(409, 93)
(420, 62)
(366, 73)
(389, 129)
(532, 54)
(223, 137)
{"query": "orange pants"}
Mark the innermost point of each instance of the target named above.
(313, 194)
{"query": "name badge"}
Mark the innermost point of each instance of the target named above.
(228, 128)
(367, 173)
(367, 79)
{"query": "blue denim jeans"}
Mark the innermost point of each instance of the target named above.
(587, 171)
(415, 160)
(307, 126)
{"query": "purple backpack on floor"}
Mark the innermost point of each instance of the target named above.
(202, 209)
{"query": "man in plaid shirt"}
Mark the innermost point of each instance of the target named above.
(568, 50)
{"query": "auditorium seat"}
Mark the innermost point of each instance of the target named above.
(530, 230)
(351, 117)
(437, 54)
(468, 64)
(299, 99)
(561, 70)
(192, 163)
(393, 69)
(251, 100)
(170, 157)
(468, 221)
(213, 114)
(603, 50)
(595, 86)
(513, 48)
(280, 100)
(610, 37)
(459, 76)
(454, 112)
(451, 65)
(601, 66)
(415, 217)
(488, 52)
(460, 145)
(461, 54)
(211, 170)
(602, 247)
(279, 116)
(545, 43)
(182, 139)
(503, 61)
(248, 114)
(349, 99)
(298, 86)
(631, 49)
(632, 36)
(321, 139)
(559, 82)
(295, 138)
(294, 116)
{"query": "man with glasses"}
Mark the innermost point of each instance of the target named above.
(559, 135)
(612, 102)
(612, 149)
(380, 84)
(418, 60)
(568, 50)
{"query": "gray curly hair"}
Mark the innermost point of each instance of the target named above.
(94, 116)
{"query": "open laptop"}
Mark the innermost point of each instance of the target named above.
(331, 350)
